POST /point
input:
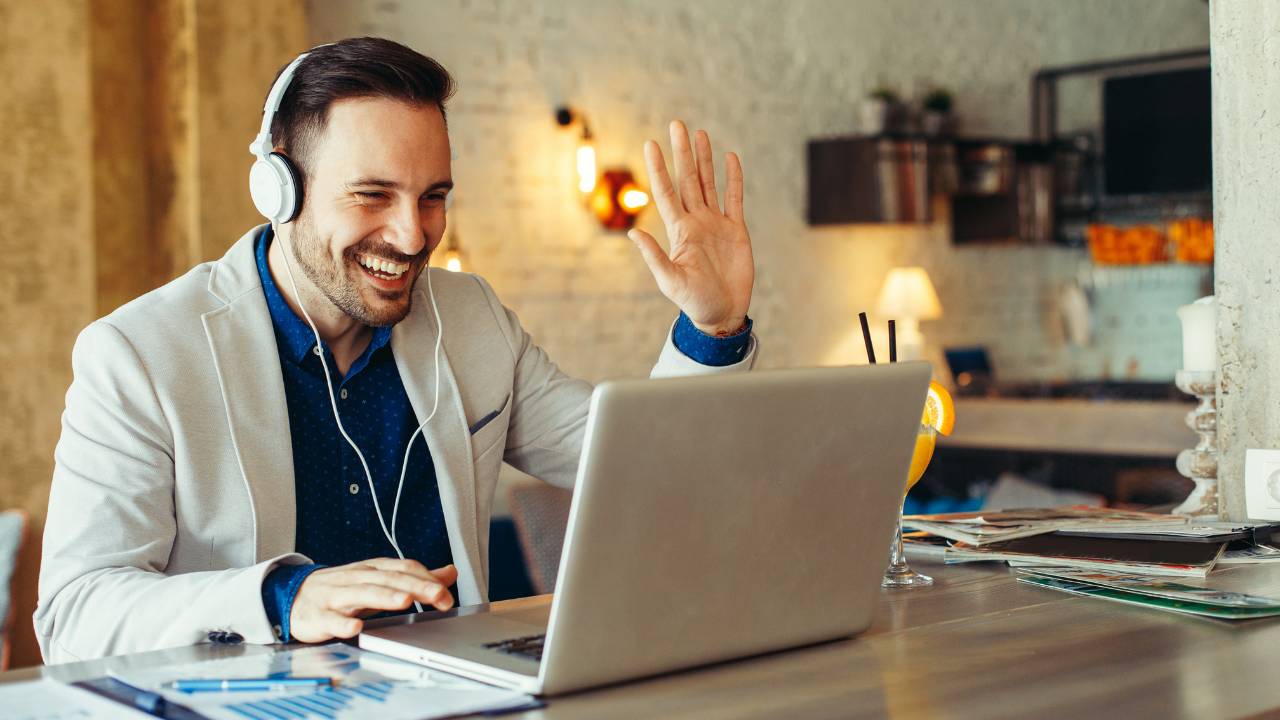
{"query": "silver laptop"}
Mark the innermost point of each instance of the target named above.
(714, 517)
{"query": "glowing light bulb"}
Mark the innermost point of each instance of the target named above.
(586, 167)
(632, 199)
(452, 260)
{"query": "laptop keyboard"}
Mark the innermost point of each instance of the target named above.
(529, 646)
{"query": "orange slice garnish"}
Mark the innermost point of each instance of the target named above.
(939, 409)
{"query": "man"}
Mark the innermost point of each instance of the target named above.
(203, 488)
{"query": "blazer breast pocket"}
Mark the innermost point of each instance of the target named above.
(485, 431)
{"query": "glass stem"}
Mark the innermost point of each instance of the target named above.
(897, 558)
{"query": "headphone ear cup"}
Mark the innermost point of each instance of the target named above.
(290, 212)
(276, 188)
(264, 188)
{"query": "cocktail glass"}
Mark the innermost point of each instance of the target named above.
(898, 575)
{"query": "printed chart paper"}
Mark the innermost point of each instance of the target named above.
(365, 685)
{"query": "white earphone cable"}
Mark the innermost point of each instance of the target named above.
(435, 405)
(333, 403)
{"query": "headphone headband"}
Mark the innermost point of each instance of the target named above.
(274, 184)
(262, 145)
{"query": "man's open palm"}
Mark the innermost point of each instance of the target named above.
(710, 271)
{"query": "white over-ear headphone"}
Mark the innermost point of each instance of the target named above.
(276, 187)
(274, 183)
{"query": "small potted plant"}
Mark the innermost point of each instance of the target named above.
(937, 112)
(877, 110)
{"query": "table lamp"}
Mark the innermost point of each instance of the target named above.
(908, 297)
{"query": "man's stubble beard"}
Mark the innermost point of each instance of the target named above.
(334, 282)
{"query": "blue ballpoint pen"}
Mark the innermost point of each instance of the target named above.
(250, 684)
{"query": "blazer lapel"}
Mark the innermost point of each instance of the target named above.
(247, 363)
(413, 341)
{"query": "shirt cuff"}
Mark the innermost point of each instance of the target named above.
(707, 349)
(279, 589)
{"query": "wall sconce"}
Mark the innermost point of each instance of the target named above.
(617, 199)
(585, 155)
(613, 197)
(586, 162)
(451, 257)
(454, 260)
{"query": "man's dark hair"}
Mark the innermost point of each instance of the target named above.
(351, 68)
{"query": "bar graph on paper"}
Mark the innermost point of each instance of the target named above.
(328, 703)
(365, 685)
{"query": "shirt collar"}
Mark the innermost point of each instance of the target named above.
(294, 335)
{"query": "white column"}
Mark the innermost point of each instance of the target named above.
(1245, 43)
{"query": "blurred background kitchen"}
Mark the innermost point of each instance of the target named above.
(1027, 179)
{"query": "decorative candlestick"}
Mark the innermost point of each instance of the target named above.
(1199, 334)
(1201, 462)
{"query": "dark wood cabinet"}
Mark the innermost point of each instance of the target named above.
(999, 190)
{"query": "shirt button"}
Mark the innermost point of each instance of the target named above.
(353, 488)
(343, 394)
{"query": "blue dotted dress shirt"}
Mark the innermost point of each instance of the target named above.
(336, 522)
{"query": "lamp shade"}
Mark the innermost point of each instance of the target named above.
(907, 293)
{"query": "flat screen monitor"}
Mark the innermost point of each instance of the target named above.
(1156, 136)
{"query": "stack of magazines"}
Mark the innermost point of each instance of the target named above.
(1092, 538)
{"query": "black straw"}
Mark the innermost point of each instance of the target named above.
(893, 341)
(866, 338)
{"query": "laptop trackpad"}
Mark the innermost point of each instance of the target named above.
(482, 628)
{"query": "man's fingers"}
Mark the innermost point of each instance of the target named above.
(686, 168)
(706, 169)
(659, 264)
(733, 187)
(447, 575)
(660, 182)
(409, 567)
(319, 625)
(341, 626)
(412, 567)
(428, 591)
(350, 599)
(426, 586)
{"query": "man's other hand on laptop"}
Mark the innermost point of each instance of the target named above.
(332, 601)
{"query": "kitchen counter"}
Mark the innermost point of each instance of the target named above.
(1111, 427)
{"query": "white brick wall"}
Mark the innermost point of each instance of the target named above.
(762, 77)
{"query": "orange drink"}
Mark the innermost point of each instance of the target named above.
(939, 417)
(926, 440)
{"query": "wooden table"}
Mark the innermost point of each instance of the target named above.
(977, 644)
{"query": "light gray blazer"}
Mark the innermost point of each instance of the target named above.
(173, 488)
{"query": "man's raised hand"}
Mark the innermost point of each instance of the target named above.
(709, 271)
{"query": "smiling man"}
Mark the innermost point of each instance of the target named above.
(223, 476)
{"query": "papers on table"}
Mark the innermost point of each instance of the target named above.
(1207, 530)
(48, 700)
(924, 545)
(1254, 554)
(987, 528)
(1149, 592)
(366, 684)
(1096, 539)
(1148, 557)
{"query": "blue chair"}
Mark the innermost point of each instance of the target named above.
(13, 531)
